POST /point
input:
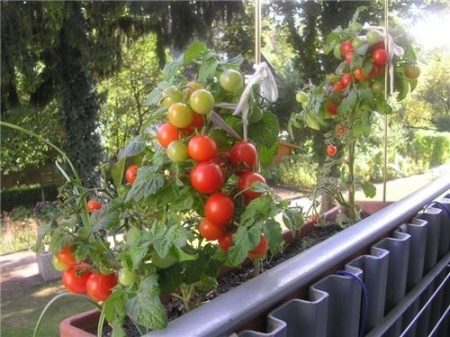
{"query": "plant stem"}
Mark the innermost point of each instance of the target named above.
(351, 180)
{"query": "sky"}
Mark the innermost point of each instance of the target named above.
(432, 30)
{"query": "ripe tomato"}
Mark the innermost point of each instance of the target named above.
(202, 148)
(93, 206)
(126, 277)
(231, 80)
(340, 130)
(376, 71)
(202, 101)
(131, 174)
(378, 45)
(348, 58)
(197, 122)
(210, 231)
(260, 250)
(219, 209)
(359, 74)
(379, 57)
(245, 182)
(243, 156)
(346, 47)
(177, 151)
(75, 278)
(331, 150)
(226, 242)
(167, 133)
(412, 72)
(332, 108)
(180, 115)
(66, 256)
(338, 86)
(346, 79)
(98, 286)
(58, 264)
(206, 177)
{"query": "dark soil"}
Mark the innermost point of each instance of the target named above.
(235, 277)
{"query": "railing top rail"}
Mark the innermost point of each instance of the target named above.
(264, 291)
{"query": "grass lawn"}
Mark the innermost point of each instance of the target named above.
(20, 310)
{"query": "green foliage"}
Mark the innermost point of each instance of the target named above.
(430, 149)
(27, 196)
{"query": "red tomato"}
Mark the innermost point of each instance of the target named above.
(167, 133)
(202, 148)
(197, 122)
(346, 47)
(332, 108)
(219, 209)
(75, 278)
(245, 182)
(93, 206)
(338, 86)
(131, 174)
(331, 150)
(378, 45)
(376, 71)
(243, 156)
(98, 286)
(340, 130)
(66, 256)
(207, 177)
(359, 74)
(210, 231)
(226, 242)
(348, 58)
(314, 219)
(346, 79)
(379, 57)
(260, 250)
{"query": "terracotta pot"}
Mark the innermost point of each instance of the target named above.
(85, 324)
(284, 150)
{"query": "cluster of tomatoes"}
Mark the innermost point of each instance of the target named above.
(79, 278)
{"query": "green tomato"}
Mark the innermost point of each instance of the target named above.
(163, 263)
(126, 277)
(378, 87)
(356, 43)
(412, 72)
(177, 151)
(356, 27)
(231, 80)
(373, 37)
(180, 115)
(173, 92)
(202, 101)
(58, 264)
(337, 51)
(168, 101)
(255, 115)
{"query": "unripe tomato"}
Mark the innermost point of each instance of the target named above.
(260, 250)
(219, 209)
(93, 206)
(191, 87)
(66, 256)
(356, 43)
(331, 150)
(126, 277)
(348, 58)
(131, 174)
(167, 133)
(245, 182)
(338, 86)
(168, 101)
(172, 92)
(373, 37)
(379, 57)
(206, 177)
(332, 108)
(346, 47)
(412, 72)
(202, 148)
(231, 80)
(346, 79)
(378, 87)
(226, 242)
(75, 278)
(180, 115)
(59, 265)
(99, 286)
(211, 231)
(243, 156)
(202, 101)
(177, 151)
(337, 52)
(359, 74)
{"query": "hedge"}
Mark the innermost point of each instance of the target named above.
(27, 196)
(431, 148)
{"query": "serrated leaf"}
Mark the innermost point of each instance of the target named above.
(166, 238)
(312, 123)
(271, 126)
(348, 103)
(293, 219)
(257, 210)
(154, 97)
(244, 240)
(117, 171)
(109, 220)
(207, 69)
(133, 148)
(146, 308)
(195, 50)
(369, 189)
(113, 307)
(147, 183)
(171, 69)
(272, 231)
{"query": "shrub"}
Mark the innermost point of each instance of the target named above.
(430, 149)
(27, 196)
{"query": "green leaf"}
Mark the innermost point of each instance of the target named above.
(312, 122)
(293, 219)
(257, 210)
(165, 239)
(271, 126)
(154, 97)
(268, 154)
(195, 50)
(114, 307)
(171, 69)
(244, 240)
(146, 308)
(207, 69)
(369, 189)
(147, 183)
(117, 171)
(272, 231)
(348, 103)
(133, 148)
(234, 62)
(109, 220)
